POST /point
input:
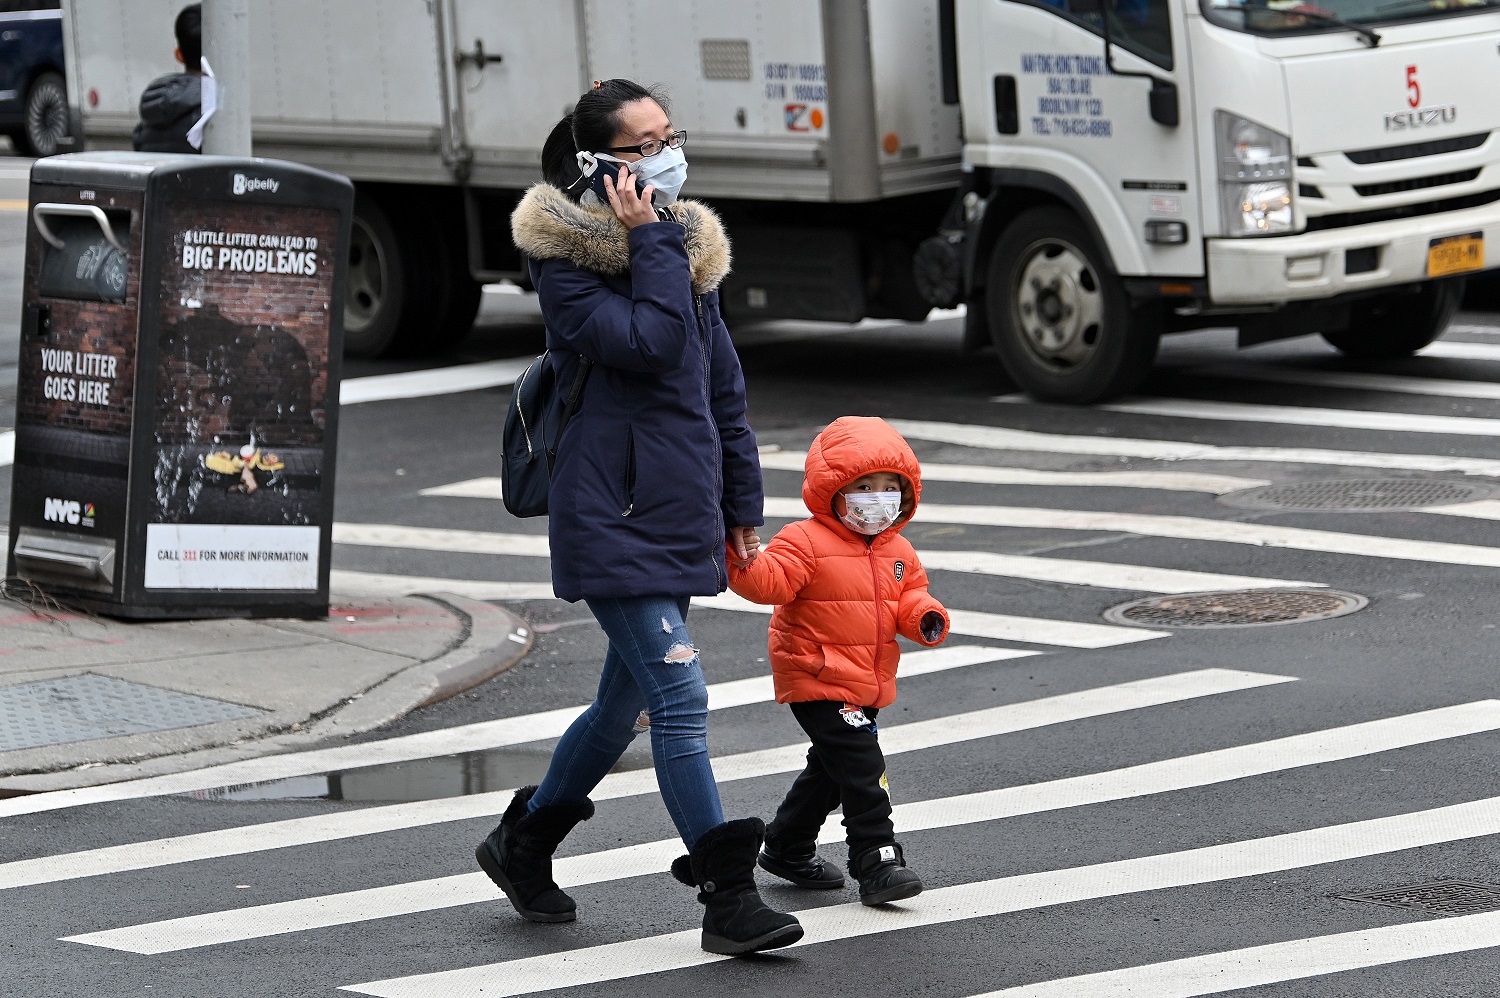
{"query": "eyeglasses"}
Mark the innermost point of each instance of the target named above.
(651, 147)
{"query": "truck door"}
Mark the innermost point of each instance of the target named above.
(512, 68)
(1070, 116)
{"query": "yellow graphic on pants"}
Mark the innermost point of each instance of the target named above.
(885, 784)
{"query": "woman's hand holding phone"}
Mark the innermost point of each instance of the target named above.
(630, 208)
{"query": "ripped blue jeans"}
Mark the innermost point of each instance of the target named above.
(651, 666)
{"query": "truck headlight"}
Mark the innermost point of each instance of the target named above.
(1255, 177)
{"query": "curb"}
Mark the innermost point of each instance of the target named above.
(492, 641)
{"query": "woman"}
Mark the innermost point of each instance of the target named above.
(655, 472)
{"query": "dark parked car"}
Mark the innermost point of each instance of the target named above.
(33, 94)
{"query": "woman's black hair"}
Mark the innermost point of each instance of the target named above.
(592, 125)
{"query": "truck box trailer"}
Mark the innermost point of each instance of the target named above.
(1084, 175)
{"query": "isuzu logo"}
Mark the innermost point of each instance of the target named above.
(1421, 117)
(244, 184)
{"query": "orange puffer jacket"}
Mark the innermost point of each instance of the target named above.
(841, 598)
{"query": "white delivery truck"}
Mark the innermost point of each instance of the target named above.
(1085, 175)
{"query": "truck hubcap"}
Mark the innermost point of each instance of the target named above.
(366, 281)
(1059, 309)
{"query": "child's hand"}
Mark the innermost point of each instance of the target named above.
(932, 626)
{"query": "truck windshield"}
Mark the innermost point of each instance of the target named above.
(1287, 17)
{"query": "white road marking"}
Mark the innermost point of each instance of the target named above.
(1354, 419)
(1484, 509)
(476, 737)
(978, 474)
(895, 739)
(7, 448)
(1191, 528)
(999, 626)
(1449, 350)
(1357, 380)
(374, 584)
(1203, 769)
(1294, 960)
(1000, 438)
(433, 381)
(1102, 574)
(594, 965)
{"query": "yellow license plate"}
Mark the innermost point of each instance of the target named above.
(1455, 254)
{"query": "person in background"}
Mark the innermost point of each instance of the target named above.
(170, 104)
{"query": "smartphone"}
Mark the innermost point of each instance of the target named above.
(597, 181)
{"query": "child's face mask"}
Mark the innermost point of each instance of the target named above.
(869, 513)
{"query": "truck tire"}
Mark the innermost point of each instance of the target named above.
(1398, 325)
(391, 295)
(1060, 318)
(46, 122)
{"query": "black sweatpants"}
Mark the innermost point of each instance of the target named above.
(844, 766)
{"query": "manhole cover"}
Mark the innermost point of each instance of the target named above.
(1358, 494)
(1249, 608)
(1446, 897)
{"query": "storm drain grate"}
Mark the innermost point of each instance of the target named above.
(1446, 897)
(1248, 608)
(1389, 494)
(80, 708)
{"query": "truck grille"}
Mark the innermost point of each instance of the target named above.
(1343, 219)
(1415, 150)
(1416, 183)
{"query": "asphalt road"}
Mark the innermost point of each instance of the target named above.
(1121, 802)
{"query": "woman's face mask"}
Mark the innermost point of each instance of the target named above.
(869, 513)
(667, 171)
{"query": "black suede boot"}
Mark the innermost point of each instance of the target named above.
(517, 855)
(883, 876)
(722, 867)
(800, 864)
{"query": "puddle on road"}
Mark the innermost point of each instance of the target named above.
(419, 779)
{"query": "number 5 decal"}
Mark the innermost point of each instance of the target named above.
(1413, 88)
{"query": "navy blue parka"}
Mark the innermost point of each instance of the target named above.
(659, 462)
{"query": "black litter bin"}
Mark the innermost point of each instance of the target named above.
(177, 397)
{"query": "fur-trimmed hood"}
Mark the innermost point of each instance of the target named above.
(549, 225)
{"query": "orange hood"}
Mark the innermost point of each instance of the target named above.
(851, 447)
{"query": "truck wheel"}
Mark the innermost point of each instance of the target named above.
(1061, 321)
(391, 296)
(1398, 325)
(46, 123)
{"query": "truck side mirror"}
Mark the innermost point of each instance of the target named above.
(1164, 107)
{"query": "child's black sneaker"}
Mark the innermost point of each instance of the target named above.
(802, 866)
(883, 876)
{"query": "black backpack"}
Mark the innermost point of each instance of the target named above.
(533, 425)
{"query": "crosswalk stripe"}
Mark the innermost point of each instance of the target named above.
(1449, 350)
(1102, 574)
(895, 739)
(433, 381)
(974, 474)
(1192, 528)
(998, 626)
(1357, 380)
(1294, 960)
(1354, 419)
(1001, 438)
(477, 737)
(1203, 769)
(1212, 864)
(1484, 509)
(970, 623)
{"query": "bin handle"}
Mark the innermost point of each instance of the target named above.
(38, 211)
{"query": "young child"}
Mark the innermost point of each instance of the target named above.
(844, 583)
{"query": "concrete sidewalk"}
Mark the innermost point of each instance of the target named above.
(87, 700)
